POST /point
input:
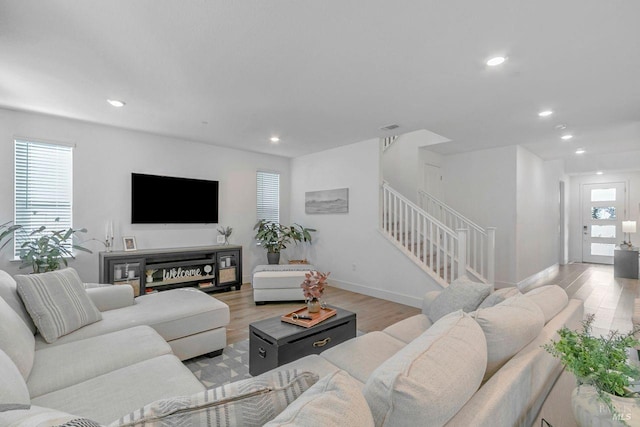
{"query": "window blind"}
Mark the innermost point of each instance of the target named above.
(43, 188)
(268, 201)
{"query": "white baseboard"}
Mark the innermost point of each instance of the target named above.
(377, 293)
(544, 274)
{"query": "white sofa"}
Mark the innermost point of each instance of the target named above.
(454, 386)
(192, 322)
(453, 371)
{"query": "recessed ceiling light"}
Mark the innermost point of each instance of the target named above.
(497, 60)
(116, 103)
(599, 173)
(274, 139)
(566, 137)
(545, 113)
(561, 126)
(580, 151)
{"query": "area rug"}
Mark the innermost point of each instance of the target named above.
(232, 365)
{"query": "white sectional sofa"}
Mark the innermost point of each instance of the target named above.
(484, 368)
(192, 322)
(481, 369)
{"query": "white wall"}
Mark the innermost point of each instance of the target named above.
(538, 214)
(349, 245)
(104, 158)
(632, 180)
(482, 186)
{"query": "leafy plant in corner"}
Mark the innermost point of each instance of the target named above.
(45, 250)
(6, 232)
(601, 362)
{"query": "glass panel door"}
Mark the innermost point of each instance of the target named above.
(602, 214)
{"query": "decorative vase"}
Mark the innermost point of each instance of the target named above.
(313, 305)
(273, 257)
(590, 411)
(149, 278)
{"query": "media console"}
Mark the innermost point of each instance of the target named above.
(207, 268)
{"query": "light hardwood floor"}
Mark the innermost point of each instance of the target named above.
(609, 298)
(373, 314)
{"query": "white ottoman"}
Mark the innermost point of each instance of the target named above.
(279, 282)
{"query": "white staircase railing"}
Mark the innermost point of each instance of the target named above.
(436, 248)
(387, 141)
(481, 245)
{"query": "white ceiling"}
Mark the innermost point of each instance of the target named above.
(328, 73)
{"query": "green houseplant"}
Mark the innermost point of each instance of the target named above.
(601, 363)
(45, 250)
(6, 233)
(275, 237)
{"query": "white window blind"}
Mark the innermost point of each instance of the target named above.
(43, 188)
(268, 196)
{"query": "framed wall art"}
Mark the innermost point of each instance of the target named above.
(327, 201)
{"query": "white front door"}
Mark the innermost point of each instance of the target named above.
(603, 210)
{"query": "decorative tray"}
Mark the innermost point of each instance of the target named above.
(316, 318)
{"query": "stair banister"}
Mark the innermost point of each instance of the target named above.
(480, 245)
(427, 241)
(491, 255)
(462, 251)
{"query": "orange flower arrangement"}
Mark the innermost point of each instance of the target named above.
(313, 285)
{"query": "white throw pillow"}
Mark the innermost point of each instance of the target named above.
(57, 302)
(335, 400)
(428, 381)
(462, 294)
(508, 327)
(247, 403)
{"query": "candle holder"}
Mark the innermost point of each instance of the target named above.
(108, 243)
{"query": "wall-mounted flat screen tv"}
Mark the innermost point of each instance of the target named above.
(171, 200)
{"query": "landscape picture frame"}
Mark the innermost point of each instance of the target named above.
(335, 201)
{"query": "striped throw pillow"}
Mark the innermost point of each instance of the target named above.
(248, 403)
(57, 302)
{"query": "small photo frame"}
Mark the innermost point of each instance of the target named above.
(129, 243)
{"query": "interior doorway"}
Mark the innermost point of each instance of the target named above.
(603, 209)
(432, 180)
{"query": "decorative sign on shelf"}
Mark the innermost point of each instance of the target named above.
(180, 273)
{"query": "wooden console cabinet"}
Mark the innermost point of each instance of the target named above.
(207, 268)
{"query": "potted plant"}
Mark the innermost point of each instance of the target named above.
(603, 371)
(313, 288)
(6, 232)
(45, 250)
(275, 237)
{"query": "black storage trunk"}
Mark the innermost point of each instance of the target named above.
(273, 343)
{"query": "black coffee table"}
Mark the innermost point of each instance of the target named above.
(273, 343)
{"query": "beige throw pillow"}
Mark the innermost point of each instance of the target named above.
(57, 302)
(551, 299)
(247, 403)
(508, 327)
(428, 381)
(335, 400)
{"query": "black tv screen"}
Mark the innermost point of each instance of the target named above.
(170, 200)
